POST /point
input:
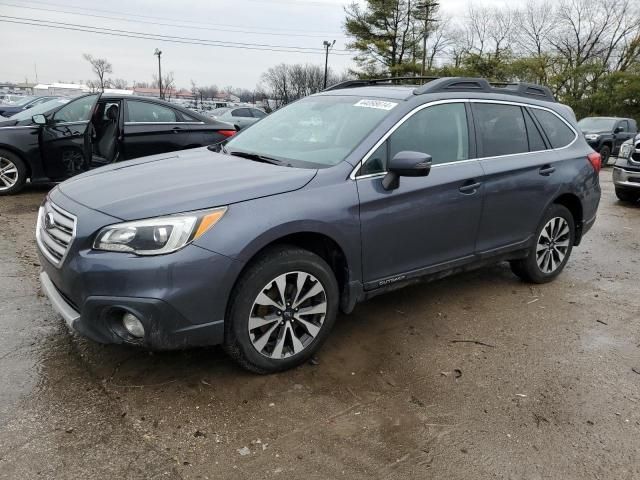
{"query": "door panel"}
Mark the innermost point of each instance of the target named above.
(65, 145)
(426, 221)
(151, 128)
(423, 223)
(622, 136)
(517, 189)
(518, 182)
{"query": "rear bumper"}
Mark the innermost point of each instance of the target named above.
(627, 179)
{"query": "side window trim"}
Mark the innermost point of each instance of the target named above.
(354, 173)
(526, 105)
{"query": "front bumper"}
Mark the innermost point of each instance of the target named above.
(180, 298)
(627, 179)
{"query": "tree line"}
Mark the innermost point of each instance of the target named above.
(586, 51)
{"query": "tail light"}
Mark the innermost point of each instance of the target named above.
(227, 133)
(596, 161)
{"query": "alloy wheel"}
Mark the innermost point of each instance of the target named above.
(553, 245)
(8, 174)
(287, 315)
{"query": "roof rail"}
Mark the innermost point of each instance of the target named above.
(380, 81)
(469, 84)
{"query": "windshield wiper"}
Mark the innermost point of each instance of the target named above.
(259, 158)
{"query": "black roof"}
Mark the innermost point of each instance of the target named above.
(405, 86)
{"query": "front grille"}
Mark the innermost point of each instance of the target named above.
(55, 232)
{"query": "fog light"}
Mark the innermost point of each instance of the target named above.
(132, 325)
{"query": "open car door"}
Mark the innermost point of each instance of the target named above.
(65, 143)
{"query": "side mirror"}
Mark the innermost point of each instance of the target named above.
(406, 164)
(39, 119)
(618, 130)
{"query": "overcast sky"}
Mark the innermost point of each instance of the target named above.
(56, 54)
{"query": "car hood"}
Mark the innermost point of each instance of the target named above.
(599, 132)
(180, 182)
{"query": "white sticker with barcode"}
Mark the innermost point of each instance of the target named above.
(379, 104)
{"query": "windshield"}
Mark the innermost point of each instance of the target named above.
(43, 107)
(22, 101)
(317, 131)
(597, 124)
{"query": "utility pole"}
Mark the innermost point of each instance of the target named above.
(429, 7)
(159, 54)
(327, 46)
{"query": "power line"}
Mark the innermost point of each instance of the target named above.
(157, 37)
(52, 4)
(176, 25)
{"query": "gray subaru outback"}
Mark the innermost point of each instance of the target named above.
(365, 187)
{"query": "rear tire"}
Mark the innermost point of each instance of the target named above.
(551, 248)
(267, 333)
(13, 173)
(605, 154)
(627, 195)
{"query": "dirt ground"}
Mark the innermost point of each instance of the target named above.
(550, 390)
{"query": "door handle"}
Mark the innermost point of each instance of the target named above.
(176, 129)
(547, 170)
(470, 187)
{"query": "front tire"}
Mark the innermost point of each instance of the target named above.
(13, 173)
(627, 195)
(281, 310)
(551, 249)
(605, 154)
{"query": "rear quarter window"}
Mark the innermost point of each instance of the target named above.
(558, 132)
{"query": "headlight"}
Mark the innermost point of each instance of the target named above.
(592, 136)
(157, 236)
(625, 150)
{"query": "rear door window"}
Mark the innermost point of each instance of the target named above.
(501, 129)
(147, 112)
(241, 112)
(558, 132)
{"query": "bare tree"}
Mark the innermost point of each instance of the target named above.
(286, 83)
(441, 38)
(590, 39)
(536, 25)
(101, 67)
(119, 83)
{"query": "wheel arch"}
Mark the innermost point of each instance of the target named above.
(572, 202)
(326, 247)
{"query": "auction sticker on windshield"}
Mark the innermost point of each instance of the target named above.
(379, 104)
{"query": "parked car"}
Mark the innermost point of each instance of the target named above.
(626, 171)
(60, 138)
(9, 109)
(343, 195)
(10, 98)
(240, 117)
(607, 134)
